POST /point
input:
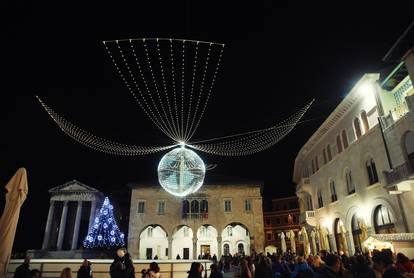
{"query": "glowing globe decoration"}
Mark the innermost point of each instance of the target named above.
(181, 172)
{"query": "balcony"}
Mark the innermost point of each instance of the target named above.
(308, 217)
(399, 173)
(303, 181)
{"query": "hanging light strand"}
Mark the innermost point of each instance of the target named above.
(97, 143)
(250, 142)
(200, 93)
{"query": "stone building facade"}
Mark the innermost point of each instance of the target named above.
(283, 218)
(355, 176)
(217, 219)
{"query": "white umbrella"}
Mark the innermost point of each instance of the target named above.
(313, 240)
(15, 196)
(306, 243)
(282, 242)
(291, 236)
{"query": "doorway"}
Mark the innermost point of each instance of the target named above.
(186, 253)
(148, 254)
(205, 250)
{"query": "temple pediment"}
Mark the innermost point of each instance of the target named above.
(73, 186)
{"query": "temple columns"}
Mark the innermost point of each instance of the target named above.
(48, 228)
(77, 225)
(62, 225)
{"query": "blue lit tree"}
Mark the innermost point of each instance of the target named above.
(104, 232)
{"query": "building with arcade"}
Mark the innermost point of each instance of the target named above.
(355, 175)
(219, 219)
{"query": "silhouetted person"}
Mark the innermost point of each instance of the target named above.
(23, 270)
(85, 270)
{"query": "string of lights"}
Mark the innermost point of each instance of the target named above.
(97, 143)
(252, 141)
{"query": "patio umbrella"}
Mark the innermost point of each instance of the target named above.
(306, 243)
(313, 240)
(282, 242)
(291, 236)
(15, 196)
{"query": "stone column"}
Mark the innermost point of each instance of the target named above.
(48, 227)
(219, 247)
(77, 225)
(62, 225)
(195, 255)
(92, 214)
(170, 248)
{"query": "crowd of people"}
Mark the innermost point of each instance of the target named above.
(378, 264)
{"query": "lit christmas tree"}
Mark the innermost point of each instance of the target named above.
(104, 232)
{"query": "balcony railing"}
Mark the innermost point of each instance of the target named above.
(399, 173)
(190, 215)
(307, 217)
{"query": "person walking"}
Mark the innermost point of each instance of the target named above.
(153, 271)
(215, 272)
(245, 270)
(23, 270)
(122, 266)
(66, 273)
(196, 270)
(85, 270)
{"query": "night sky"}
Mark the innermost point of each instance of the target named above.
(277, 58)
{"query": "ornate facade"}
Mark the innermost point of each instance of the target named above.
(217, 219)
(355, 175)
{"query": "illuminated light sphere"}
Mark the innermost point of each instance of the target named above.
(96, 220)
(121, 235)
(112, 232)
(105, 225)
(96, 226)
(109, 220)
(181, 171)
(112, 239)
(105, 212)
(99, 237)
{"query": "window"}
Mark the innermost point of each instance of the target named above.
(356, 232)
(324, 156)
(186, 207)
(149, 231)
(278, 220)
(372, 171)
(204, 206)
(320, 200)
(141, 207)
(229, 231)
(357, 127)
(334, 197)
(166, 252)
(194, 206)
(267, 221)
(316, 163)
(227, 205)
(339, 144)
(285, 220)
(240, 249)
(328, 148)
(309, 204)
(161, 207)
(364, 118)
(383, 220)
(345, 139)
(247, 205)
(349, 182)
(313, 167)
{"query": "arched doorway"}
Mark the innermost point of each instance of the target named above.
(383, 220)
(207, 241)
(226, 249)
(233, 235)
(182, 243)
(153, 242)
(270, 249)
(240, 249)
